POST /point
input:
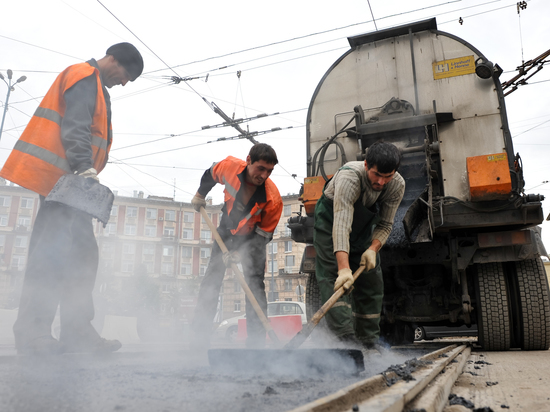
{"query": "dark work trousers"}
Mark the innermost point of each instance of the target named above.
(252, 251)
(358, 312)
(61, 270)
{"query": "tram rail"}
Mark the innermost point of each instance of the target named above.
(426, 387)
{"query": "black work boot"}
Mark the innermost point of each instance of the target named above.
(350, 341)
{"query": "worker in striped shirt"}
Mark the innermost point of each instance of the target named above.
(353, 220)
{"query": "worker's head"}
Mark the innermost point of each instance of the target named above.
(260, 162)
(121, 64)
(382, 162)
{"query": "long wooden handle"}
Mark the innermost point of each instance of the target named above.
(241, 280)
(330, 303)
(301, 336)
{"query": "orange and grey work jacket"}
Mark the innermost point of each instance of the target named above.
(261, 214)
(38, 158)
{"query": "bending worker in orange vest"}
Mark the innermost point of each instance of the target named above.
(70, 132)
(251, 213)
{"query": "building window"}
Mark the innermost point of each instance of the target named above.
(3, 220)
(167, 269)
(24, 221)
(5, 201)
(188, 217)
(236, 306)
(148, 249)
(2, 240)
(237, 288)
(206, 235)
(150, 213)
(131, 211)
(168, 251)
(170, 215)
(272, 248)
(18, 262)
(288, 284)
(128, 248)
(272, 266)
(186, 252)
(129, 230)
(209, 217)
(289, 263)
(150, 231)
(187, 234)
(202, 270)
(114, 210)
(107, 250)
(288, 232)
(148, 267)
(287, 210)
(110, 229)
(169, 231)
(21, 241)
(186, 269)
(165, 288)
(127, 266)
(27, 202)
(275, 231)
(288, 246)
(205, 252)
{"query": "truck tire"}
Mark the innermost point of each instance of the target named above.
(313, 296)
(492, 307)
(534, 305)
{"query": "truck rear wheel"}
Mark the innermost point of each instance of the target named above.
(534, 305)
(313, 296)
(493, 307)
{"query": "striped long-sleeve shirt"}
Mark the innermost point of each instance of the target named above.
(345, 188)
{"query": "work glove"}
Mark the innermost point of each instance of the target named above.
(91, 173)
(231, 257)
(368, 259)
(197, 203)
(345, 278)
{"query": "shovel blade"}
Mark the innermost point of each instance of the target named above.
(84, 194)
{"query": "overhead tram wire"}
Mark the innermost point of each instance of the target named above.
(305, 36)
(195, 131)
(372, 14)
(197, 76)
(212, 105)
(154, 177)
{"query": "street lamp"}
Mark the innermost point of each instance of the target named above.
(11, 87)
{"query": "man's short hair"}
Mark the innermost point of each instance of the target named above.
(262, 151)
(385, 156)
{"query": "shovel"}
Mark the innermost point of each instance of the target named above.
(270, 332)
(84, 194)
(301, 336)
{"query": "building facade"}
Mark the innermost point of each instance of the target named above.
(153, 254)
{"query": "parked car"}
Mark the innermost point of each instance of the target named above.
(428, 332)
(227, 330)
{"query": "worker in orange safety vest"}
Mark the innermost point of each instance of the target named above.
(250, 215)
(70, 132)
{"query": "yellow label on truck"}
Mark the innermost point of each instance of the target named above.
(454, 67)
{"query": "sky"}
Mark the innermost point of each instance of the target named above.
(249, 58)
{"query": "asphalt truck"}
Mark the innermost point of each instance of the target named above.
(465, 246)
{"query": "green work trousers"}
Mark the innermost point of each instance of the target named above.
(359, 311)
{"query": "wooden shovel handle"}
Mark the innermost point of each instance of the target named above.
(240, 278)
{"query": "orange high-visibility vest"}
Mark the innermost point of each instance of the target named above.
(263, 217)
(38, 158)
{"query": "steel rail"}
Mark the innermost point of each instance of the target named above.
(429, 389)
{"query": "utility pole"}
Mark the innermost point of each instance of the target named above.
(11, 87)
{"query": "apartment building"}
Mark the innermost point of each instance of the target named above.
(153, 253)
